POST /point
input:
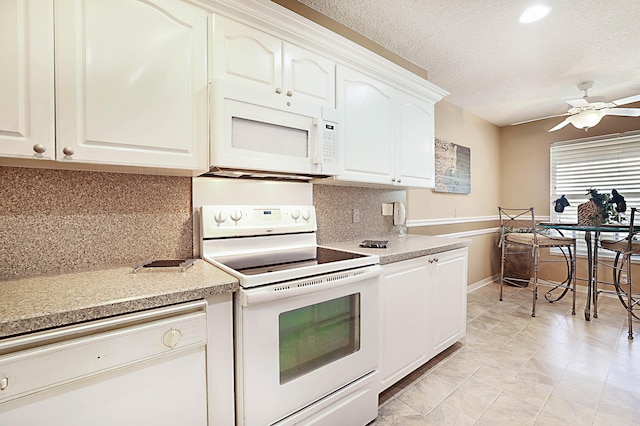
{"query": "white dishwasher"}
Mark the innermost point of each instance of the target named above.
(145, 368)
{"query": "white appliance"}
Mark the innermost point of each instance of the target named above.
(145, 368)
(256, 133)
(306, 317)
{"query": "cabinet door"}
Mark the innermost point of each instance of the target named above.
(367, 120)
(246, 55)
(309, 76)
(131, 83)
(415, 163)
(403, 319)
(26, 79)
(448, 296)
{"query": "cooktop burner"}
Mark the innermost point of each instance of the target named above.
(323, 256)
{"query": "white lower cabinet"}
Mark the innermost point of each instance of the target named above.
(447, 302)
(403, 319)
(422, 311)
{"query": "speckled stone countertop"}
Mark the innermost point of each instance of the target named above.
(405, 248)
(41, 302)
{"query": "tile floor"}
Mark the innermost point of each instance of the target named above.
(512, 369)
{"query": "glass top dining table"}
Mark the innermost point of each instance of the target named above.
(592, 246)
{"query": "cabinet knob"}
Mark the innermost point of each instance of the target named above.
(39, 148)
(68, 151)
(4, 383)
(289, 93)
(278, 90)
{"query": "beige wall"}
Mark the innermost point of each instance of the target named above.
(525, 157)
(455, 125)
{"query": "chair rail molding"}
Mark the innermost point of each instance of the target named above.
(455, 220)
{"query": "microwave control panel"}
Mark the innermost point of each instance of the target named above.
(329, 147)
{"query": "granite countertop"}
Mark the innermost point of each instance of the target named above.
(405, 248)
(41, 302)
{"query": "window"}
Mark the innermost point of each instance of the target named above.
(601, 163)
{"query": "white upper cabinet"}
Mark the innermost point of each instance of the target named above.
(387, 134)
(26, 79)
(131, 83)
(367, 120)
(415, 152)
(251, 57)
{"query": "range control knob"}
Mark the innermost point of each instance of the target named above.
(171, 338)
(306, 215)
(236, 215)
(295, 214)
(220, 217)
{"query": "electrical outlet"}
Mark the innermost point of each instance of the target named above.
(356, 215)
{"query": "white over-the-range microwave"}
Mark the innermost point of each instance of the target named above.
(256, 132)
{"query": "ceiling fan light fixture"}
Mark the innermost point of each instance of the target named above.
(535, 13)
(586, 119)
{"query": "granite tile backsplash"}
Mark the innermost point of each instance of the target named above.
(334, 209)
(55, 221)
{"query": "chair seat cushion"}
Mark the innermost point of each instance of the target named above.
(621, 246)
(543, 240)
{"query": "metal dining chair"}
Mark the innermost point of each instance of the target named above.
(519, 236)
(624, 248)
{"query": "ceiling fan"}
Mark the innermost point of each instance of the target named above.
(584, 114)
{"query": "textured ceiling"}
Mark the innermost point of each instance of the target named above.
(494, 66)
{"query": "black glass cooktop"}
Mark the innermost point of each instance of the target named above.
(322, 256)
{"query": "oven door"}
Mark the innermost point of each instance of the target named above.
(301, 341)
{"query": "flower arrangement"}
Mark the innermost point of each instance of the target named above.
(605, 206)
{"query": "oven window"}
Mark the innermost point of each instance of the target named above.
(317, 335)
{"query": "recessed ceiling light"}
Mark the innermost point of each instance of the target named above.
(535, 13)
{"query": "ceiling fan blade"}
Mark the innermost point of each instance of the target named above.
(561, 125)
(580, 102)
(540, 118)
(625, 112)
(627, 100)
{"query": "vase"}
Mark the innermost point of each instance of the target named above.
(591, 214)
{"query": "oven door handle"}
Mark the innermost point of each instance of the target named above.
(305, 286)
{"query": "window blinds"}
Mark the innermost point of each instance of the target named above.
(604, 164)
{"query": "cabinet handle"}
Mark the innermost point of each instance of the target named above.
(68, 151)
(289, 93)
(39, 148)
(278, 90)
(4, 383)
